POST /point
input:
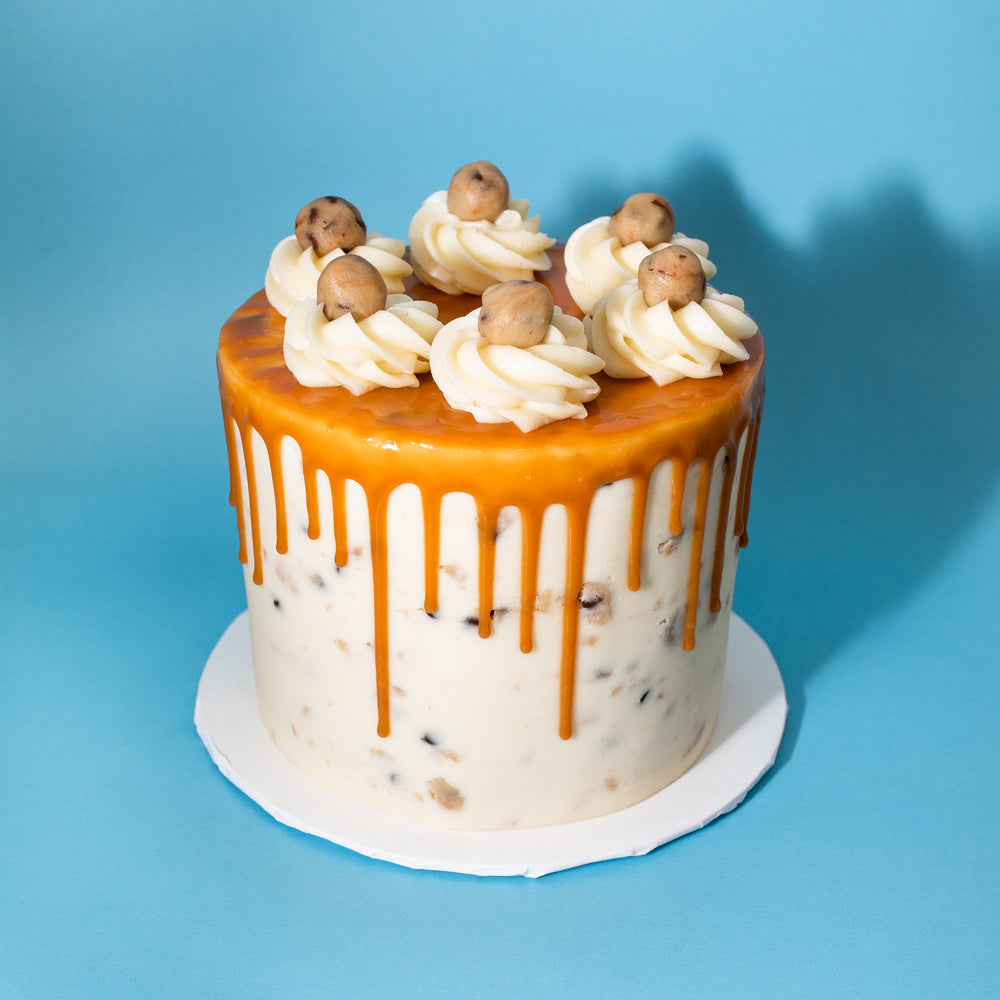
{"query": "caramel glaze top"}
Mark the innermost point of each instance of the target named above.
(388, 437)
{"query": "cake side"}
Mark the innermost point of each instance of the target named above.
(399, 520)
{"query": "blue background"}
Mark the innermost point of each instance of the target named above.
(842, 164)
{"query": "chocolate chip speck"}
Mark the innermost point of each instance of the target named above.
(429, 740)
(589, 597)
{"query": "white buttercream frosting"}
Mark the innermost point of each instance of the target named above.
(292, 272)
(389, 348)
(526, 386)
(636, 340)
(459, 256)
(597, 263)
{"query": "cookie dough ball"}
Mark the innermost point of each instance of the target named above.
(478, 191)
(349, 284)
(516, 313)
(330, 224)
(643, 218)
(673, 274)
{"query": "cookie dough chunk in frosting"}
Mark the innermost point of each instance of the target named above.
(326, 229)
(479, 367)
(374, 339)
(639, 333)
(474, 235)
(607, 251)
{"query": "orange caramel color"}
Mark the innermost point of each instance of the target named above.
(389, 437)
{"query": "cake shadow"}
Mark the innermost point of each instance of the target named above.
(880, 411)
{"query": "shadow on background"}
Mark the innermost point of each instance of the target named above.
(880, 425)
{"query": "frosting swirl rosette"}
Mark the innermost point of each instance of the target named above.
(501, 382)
(666, 344)
(388, 348)
(468, 255)
(292, 271)
(598, 262)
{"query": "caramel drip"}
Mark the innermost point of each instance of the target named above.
(338, 487)
(377, 509)
(431, 503)
(383, 440)
(728, 473)
(235, 489)
(531, 534)
(310, 476)
(697, 543)
(640, 491)
(678, 472)
(487, 522)
(746, 477)
(576, 537)
(258, 569)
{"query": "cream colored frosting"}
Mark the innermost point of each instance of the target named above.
(389, 348)
(636, 340)
(292, 272)
(526, 386)
(597, 263)
(459, 256)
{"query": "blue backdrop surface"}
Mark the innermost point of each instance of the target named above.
(841, 163)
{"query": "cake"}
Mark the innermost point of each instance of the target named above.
(472, 624)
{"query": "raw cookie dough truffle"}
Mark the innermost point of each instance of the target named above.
(474, 235)
(643, 218)
(673, 275)
(325, 229)
(517, 313)
(478, 191)
(328, 224)
(350, 285)
(603, 253)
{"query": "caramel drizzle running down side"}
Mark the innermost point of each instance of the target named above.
(431, 504)
(746, 477)
(259, 397)
(576, 537)
(486, 523)
(531, 537)
(728, 472)
(377, 511)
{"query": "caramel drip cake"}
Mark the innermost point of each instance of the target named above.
(471, 619)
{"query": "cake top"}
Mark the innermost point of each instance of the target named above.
(638, 303)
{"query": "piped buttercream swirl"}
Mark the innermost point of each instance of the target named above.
(597, 263)
(526, 386)
(636, 340)
(292, 272)
(458, 256)
(389, 348)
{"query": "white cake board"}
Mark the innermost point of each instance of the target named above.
(743, 747)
